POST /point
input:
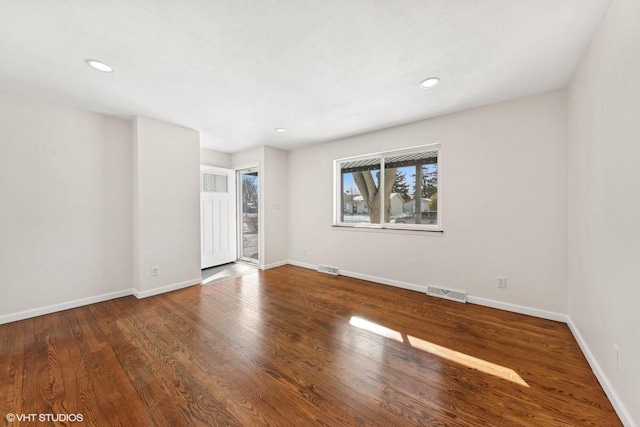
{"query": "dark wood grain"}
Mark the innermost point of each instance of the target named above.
(292, 347)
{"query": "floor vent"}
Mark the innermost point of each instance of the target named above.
(328, 270)
(447, 294)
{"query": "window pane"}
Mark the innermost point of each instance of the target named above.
(399, 203)
(413, 198)
(249, 197)
(214, 183)
(220, 184)
(430, 192)
(359, 189)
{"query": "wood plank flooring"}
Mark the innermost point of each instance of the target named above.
(292, 347)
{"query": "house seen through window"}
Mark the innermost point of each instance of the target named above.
(397, 189)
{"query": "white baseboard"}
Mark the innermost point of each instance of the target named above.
(27, 314)
(302, 264)
(168, 288)
(521, 309)
(383, 281)
(471, 299)
(274, 265)
(615, 400)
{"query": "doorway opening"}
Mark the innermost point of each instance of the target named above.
(248, 215)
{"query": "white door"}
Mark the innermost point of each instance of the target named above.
(217, 216)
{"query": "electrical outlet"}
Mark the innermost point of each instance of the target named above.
(155, 271)
(617, 356)
(502, 282)
(306, 252)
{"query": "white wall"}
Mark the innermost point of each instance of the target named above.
(65, 214)
(166, 206)
(503, 204)
(215, 158)
(276, 206)
(250, 157)
(604, 202)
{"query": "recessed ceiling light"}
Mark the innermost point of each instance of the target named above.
(100, 66)
(430, 82)
(281, 130)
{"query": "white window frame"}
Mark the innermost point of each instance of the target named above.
(337, 190)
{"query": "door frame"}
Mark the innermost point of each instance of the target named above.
(255, 167)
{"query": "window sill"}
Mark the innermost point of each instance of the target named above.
(389, 229)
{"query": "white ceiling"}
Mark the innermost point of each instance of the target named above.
(235, 69)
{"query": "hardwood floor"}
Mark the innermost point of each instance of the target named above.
(292, 347)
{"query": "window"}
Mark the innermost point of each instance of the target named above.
(213, 183)
(404, 196)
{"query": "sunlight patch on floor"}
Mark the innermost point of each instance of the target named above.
(361, 323)
(440, 351)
